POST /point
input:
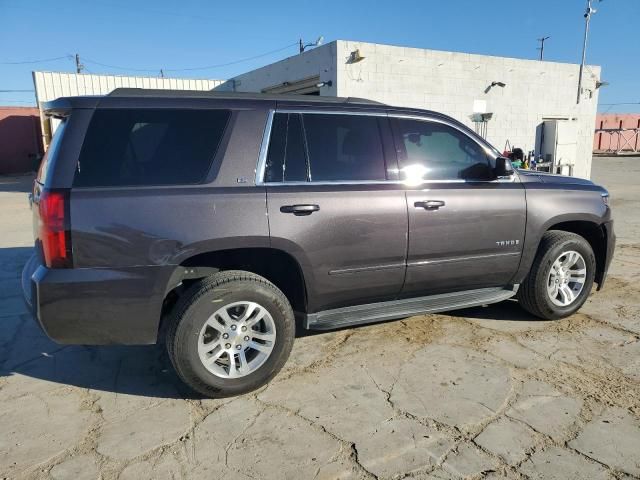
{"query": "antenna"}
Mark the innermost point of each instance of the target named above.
(587, 18)
(541, 47)
(303, 46)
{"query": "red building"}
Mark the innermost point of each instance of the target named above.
(617, 132)
(20, 139)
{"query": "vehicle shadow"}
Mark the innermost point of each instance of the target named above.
(506, 311)
(26, 351)
(16, 183)
(144, 371)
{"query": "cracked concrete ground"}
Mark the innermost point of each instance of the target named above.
(480, 393)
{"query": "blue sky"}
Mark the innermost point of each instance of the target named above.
(174, 35)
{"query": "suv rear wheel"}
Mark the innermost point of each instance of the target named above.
(561, 277)
(230, 333)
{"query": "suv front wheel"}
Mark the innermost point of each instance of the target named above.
(561, 276)
(230, 333)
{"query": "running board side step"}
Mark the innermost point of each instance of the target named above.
(394, 309)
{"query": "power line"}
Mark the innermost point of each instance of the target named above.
(7, 100)
(189, 69)
(43, 60)
(621, 103)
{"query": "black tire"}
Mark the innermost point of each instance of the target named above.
(533, 296)
(198, 303)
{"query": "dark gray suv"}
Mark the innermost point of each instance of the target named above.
(220, 222)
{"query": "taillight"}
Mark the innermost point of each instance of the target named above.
(55, 232)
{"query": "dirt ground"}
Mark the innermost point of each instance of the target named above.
(481, 393)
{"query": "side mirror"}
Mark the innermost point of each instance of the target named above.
(503, 167)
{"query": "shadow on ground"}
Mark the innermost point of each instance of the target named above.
(16, 183)
(134, 370)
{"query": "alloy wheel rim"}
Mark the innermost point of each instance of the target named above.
(237, 339)
(567, 277)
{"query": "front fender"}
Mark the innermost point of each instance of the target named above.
(548, 207)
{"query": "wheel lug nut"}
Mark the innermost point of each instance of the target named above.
(233, 327)
(225, 335)
(227, 346)
(244, 329)
(246, 339)
(238, 347)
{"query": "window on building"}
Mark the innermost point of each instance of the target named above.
(344, 147)
(126, 147)
(434, 151)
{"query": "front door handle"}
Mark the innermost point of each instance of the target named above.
(299, 210)
(429, 204)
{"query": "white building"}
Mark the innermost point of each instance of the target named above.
(526, 97)
(52, 85)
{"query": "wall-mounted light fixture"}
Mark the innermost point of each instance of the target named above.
(328, 83)
(601, 84)
(355, 57)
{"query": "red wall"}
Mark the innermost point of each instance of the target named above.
(604, 141)
(20, 139)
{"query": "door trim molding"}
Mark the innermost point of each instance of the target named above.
(420, 263)
(344, 271)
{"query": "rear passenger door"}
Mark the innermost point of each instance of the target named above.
(334, 206)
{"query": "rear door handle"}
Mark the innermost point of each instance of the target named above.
(429, 204)
(299, 210)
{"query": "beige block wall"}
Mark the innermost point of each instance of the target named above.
(449, 82)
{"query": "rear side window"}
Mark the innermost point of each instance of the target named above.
(45, 165)
(286, 160)
(127, 147)
(344, 147)
(319, 147)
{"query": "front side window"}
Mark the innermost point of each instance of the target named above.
(435, 151)
(127, 147)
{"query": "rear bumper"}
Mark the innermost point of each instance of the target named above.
(96, 306)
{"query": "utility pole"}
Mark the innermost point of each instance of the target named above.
(587, 16)
(541, 47)
(301, 46)
(79, 66)
(161, 73)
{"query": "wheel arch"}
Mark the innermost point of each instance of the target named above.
(594, 234)
(277, 266)
(590, 227)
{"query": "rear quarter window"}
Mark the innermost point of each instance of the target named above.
(128, 147)
(49, 156)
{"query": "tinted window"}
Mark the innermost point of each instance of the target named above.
(434, 151)
(344, 147)
(286, 160)
(52, 150)
(149, 147)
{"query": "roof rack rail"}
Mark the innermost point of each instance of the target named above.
(144, 92)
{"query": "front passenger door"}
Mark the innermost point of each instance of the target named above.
(466, 228)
